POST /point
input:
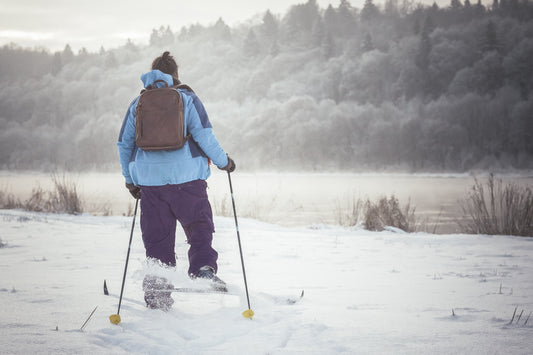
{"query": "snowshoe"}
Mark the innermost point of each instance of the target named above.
(208, 273)
(155, 295)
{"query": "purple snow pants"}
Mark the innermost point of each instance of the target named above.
(161, 206)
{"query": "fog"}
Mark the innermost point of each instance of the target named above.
(287, 199)
(390, 88)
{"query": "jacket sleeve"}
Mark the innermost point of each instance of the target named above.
(126, 141)
(200, 128)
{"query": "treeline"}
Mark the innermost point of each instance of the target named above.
(388, 87)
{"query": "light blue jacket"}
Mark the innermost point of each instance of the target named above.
(156, 168)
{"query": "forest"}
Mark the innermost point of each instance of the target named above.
(393, 86)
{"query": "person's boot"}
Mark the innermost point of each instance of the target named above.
(208, 273)
(156, 295)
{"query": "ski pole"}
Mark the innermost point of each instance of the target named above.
(248, 313)
(115, 318)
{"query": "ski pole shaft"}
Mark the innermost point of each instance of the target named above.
(239, 239)
(127, 256)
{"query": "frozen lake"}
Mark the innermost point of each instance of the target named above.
(289, 199)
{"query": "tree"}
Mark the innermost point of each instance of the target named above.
(221, 30)
(330, 19)
(318, 32)
(161, 37)
(274, 49)
(424, 46)
(467, 10)
(490, 39)
(368, 44)
(130, 46)
(299, 22)
(270, 27)
(417, 19)
(196, 29)
(328, 46)
(68, 55)
(111, 61)
(422, 57)
(488, 73)
(346, 18)
(455, 5)
(391, 9)
(83, 53)
(251, 46)
(479, 9)
(167, 36)
(518, 68)
(57, 63)
(369, 12)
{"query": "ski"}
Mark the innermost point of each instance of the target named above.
(294, 300)
(192, 290)
(283, 300)
(181, 289)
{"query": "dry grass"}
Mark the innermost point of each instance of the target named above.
(375, 216)
(63, 199)
(8, 200)
(497, 209)
(222, 207)
(351, 215)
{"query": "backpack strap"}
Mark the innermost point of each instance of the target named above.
(188, 88)
(154, 86)
(184, 87)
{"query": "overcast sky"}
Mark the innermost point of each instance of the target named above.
(92, 23)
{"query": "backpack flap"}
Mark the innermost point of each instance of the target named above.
(160, 119)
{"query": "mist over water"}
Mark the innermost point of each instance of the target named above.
(289, 199)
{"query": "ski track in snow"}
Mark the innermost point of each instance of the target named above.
(365, 292)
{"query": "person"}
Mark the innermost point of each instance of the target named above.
(171, 186)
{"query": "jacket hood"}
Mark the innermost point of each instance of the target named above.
(150, 77)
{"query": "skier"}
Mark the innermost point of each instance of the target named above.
(172, 186)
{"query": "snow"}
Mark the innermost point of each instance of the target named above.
(365, 292)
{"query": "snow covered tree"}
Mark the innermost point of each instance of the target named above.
(455, 5)
(67, 55)
(367, 44)
(346, 18)
(369, 12)
(270, 27)
(328, 46)
(490, 39)
(161, 37)
(57, 63)
(424, 47)
(251, 45)
(330, 19)
(221, 30)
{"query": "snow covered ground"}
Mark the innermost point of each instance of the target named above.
(365, 292)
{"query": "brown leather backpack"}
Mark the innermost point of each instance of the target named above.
(160, 119)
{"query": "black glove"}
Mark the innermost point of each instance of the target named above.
(230, 167)
(135, 191)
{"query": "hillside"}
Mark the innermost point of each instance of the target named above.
(394, 87)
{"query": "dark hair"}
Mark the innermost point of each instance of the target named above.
(166, 64)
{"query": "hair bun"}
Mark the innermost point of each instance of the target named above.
(166, 64)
